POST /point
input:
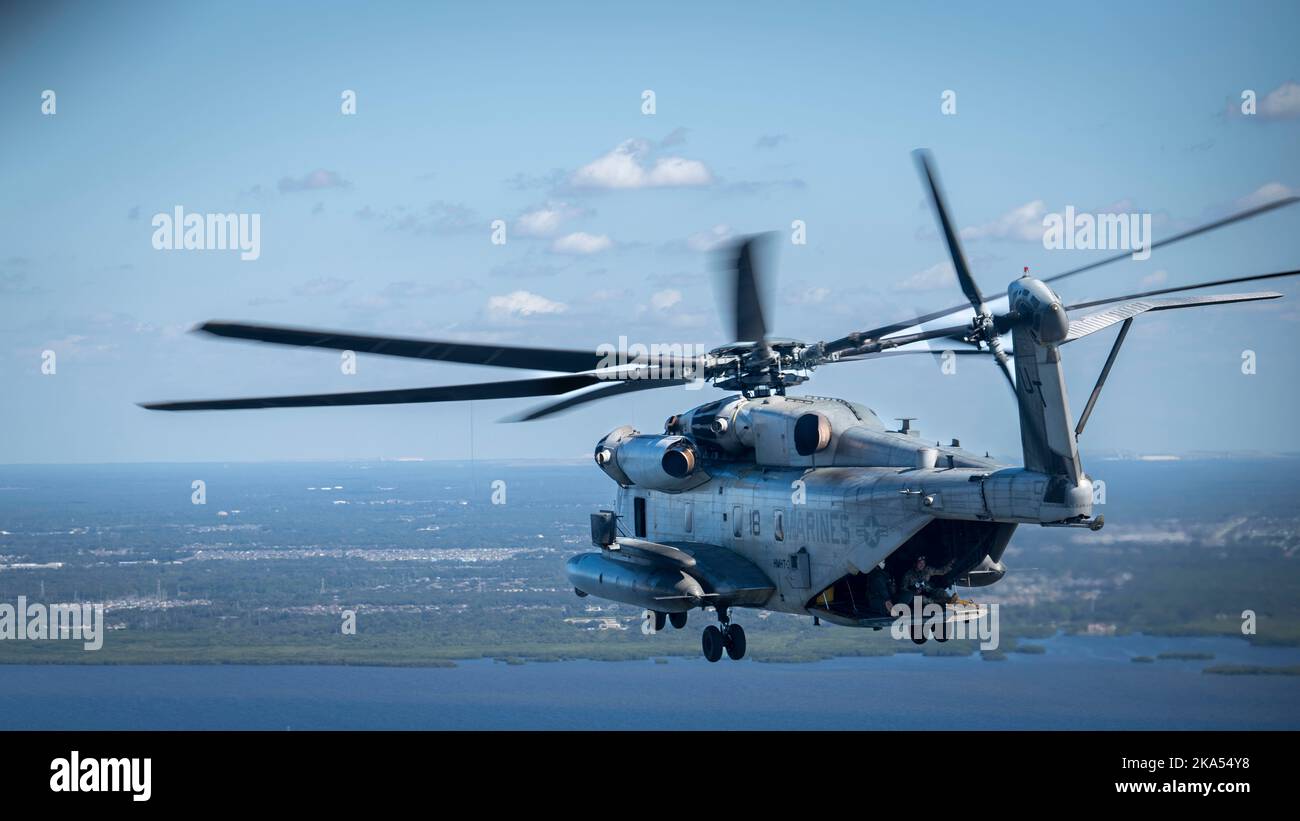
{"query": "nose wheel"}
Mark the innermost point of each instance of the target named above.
(728, 638)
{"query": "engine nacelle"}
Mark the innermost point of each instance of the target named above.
(653, 461)
(1039, 308)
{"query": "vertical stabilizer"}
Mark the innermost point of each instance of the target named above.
(1046, 428)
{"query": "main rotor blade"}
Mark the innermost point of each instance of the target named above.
(1209, 226)
(501, 356)
(885, 330)
(925, 163)
(858, 357)
(542, 386)
(569, 402)
(747, 296)
(1178, 288)
(899, 341)
(855, 339)
(1124, 311)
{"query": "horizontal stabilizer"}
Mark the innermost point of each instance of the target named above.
(1090, 324)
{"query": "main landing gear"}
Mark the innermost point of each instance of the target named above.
(726, 637)
(729, 638)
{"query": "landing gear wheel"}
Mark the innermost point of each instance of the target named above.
(734, 640)
(941, 630)
(678, 620)
(712, 641)
(660, 620)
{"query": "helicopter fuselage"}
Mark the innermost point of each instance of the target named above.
(799, 495)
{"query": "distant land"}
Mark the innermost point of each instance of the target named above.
(263, 572)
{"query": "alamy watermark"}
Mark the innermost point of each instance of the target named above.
(179, 231)
(655, 361)
(921, 620)
(40, 622)
(1101, 232)
(127, 775)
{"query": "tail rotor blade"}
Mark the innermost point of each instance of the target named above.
(925, 163)
(1004, 365)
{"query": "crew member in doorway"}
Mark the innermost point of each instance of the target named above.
(916, 582)
(879, 593)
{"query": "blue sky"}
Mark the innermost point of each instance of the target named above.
(765, 113)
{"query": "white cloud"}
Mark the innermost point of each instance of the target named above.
(313, 181)
(673, 171)
(581, 242)
(663, 300)
(812, 295)
(369, 303)
(1155, 278)
(629, 166)
(1024, 224)
(711, 239)
(771, 140)
(941, 275)
(523, 303)
(321, 286)
(675, 137)
(1124, 206)
(410, 289)
(436, 218)
(1282, 103)
(607, 295)
(77, 345)
(545, 220)
(1266, 193)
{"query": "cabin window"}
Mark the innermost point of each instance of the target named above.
(638, 516)
(778, 524)
(689, 517)
(737, 522)
(755, 520)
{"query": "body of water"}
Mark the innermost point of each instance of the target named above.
(1079, 683)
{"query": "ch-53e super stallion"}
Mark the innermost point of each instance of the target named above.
(803, 504)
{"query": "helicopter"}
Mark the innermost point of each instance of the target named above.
(796, 503)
